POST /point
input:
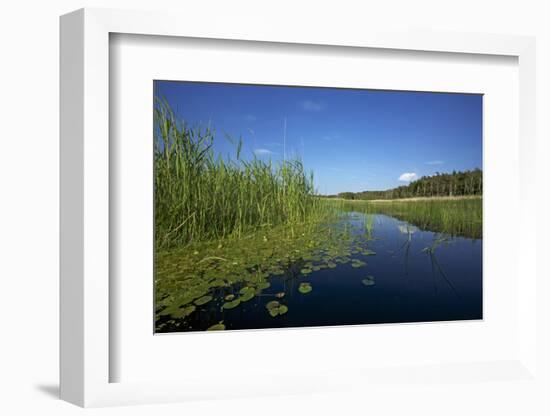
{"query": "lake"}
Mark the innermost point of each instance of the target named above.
(373, 269)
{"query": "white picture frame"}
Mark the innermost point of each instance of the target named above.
(85, 164)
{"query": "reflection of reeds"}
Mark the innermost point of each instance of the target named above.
(368, 223)
(199, 196)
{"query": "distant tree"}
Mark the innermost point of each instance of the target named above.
(346, 195)
(469, 182)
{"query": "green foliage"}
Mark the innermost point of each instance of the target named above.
(455, 217)
(237, 270)
(203, 300)
(346, 195)
(368, 281)
(182, 312)
(305, 288)
(247, 293)
(356, 263)
(232, 304)
(469, 182)
(274, 308)
(199, 196)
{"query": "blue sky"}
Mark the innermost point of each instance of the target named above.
(352, 140)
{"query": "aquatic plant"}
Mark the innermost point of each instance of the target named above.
(247, 293)
(305, 288)
(201, 196)
(203, 300)
(356, 263)
(368, 281)
(216, 327)
(238, 270)
(275, 308)
(369, 225)
(455, 217)
(232, 304)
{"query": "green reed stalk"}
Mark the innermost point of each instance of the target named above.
(199, 196)
(457, 217)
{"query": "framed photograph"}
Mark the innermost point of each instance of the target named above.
(325, 199)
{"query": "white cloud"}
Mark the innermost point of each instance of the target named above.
(435, 162)
(262, 152)
(309, 105)
(408, 177)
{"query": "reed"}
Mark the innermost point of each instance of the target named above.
(200, 196)
(455, 217)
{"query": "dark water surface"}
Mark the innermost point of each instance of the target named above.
(412, 283)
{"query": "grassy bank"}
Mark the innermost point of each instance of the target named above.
(456, 216)
(201, 197)
(428, 198)
(413, 199)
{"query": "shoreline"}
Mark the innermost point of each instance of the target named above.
(413, 199)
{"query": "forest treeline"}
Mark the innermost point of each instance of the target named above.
(468, 182)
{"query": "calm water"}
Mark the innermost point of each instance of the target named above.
(411, 285)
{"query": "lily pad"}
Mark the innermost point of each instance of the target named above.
(217, 327)
(357, 263)
(272, 304)
(168, 311)
(203, 300)
(245, 289)
(263, 285)
(368, 252)
(232, 304)
(305, 288)
(275, 308)
(186, 276)
(368, 281)
(183, 312)
(248, 294)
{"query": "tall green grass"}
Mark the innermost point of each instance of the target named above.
(200, 196)
(456, 217)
